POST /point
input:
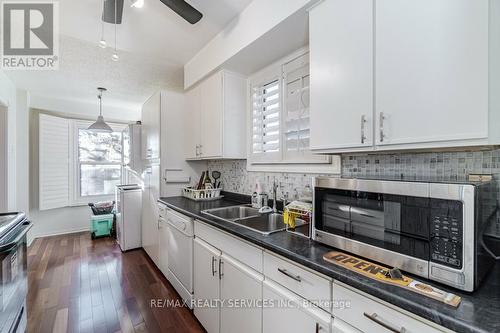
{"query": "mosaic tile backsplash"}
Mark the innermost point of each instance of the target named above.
(452, 166)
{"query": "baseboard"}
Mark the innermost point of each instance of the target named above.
(68, 232)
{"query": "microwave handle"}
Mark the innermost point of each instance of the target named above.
(8, 247)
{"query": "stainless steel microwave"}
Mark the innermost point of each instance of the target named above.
(430, 229)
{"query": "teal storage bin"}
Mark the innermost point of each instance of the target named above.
(100, 225)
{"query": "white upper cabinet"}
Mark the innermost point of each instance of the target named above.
(151, 127)
(192, 137)
(215, 126)
(403, 74)
(212, 114)
(431, 71)
(341, 53)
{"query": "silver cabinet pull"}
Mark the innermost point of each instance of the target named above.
(197, 150)
(221, 274)
(375, 318)
(291, 276)
(381, 126)
(363, 122)
(213, 266)
(201, 150)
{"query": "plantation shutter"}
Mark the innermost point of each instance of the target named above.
(53, 162)
(266, 119)
(296, 122)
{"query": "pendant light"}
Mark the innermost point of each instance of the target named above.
(100, 125)
(115, 56)
(102, 42)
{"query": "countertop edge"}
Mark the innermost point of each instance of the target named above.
(433, 316)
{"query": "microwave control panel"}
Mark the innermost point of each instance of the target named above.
(446, 231)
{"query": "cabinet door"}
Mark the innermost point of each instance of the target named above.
(163, 237)
(239, 282)
(192, 135)
(151, 122)
(341, 86)
(211, 116)
(285, 313)
(206, 285)
(150, 214)
(431, 70)
(144, 133)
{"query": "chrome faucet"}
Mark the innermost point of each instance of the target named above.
(275, 190)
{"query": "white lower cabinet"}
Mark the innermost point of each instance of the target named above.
(163, 235)
(241, 293)
(370, 315)
(227, 293)
(339, 326)
(284, 311)
(206, 285)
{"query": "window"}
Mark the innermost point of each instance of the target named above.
(280, 114)
(99, 162)
(77, 166)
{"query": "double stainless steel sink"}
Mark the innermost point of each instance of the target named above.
(249, 218)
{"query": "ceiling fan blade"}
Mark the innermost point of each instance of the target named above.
(108, 11)
(185, 10)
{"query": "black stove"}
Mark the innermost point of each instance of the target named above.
(13, 272)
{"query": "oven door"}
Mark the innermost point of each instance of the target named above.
(391, 229)
(14, 282)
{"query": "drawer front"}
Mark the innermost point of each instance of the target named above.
(340, 326)
(310, 286)
(368, 315)
(244, 252)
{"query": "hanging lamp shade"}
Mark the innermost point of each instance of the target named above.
(100, 125)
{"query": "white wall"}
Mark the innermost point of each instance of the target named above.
(86, 109)
(8, 98)
(238, 34)
(67, 219)
(22, 151)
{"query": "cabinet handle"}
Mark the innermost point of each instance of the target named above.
(363, 122)
(197, 150)
(381, 126)
(294, 277)
(318, 327)
(375, 318)
(213, 266)
(201, 150)
(221, 274)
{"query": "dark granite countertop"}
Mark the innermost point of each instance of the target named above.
(478, 312)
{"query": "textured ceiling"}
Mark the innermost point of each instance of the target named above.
(153, 42)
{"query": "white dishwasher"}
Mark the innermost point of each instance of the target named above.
(180, 254)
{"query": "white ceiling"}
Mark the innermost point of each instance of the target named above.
(153, 42)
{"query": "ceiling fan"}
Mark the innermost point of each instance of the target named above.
(114, 8)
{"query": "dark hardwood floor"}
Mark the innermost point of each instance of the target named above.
(80, 285)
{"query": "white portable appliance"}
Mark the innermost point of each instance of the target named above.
(128, 216)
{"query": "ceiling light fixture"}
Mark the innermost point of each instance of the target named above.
(102, 42)
(100, 125)
(137, 3)
(115, 56)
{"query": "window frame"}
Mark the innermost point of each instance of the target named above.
(279, 161)
(75, 172)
